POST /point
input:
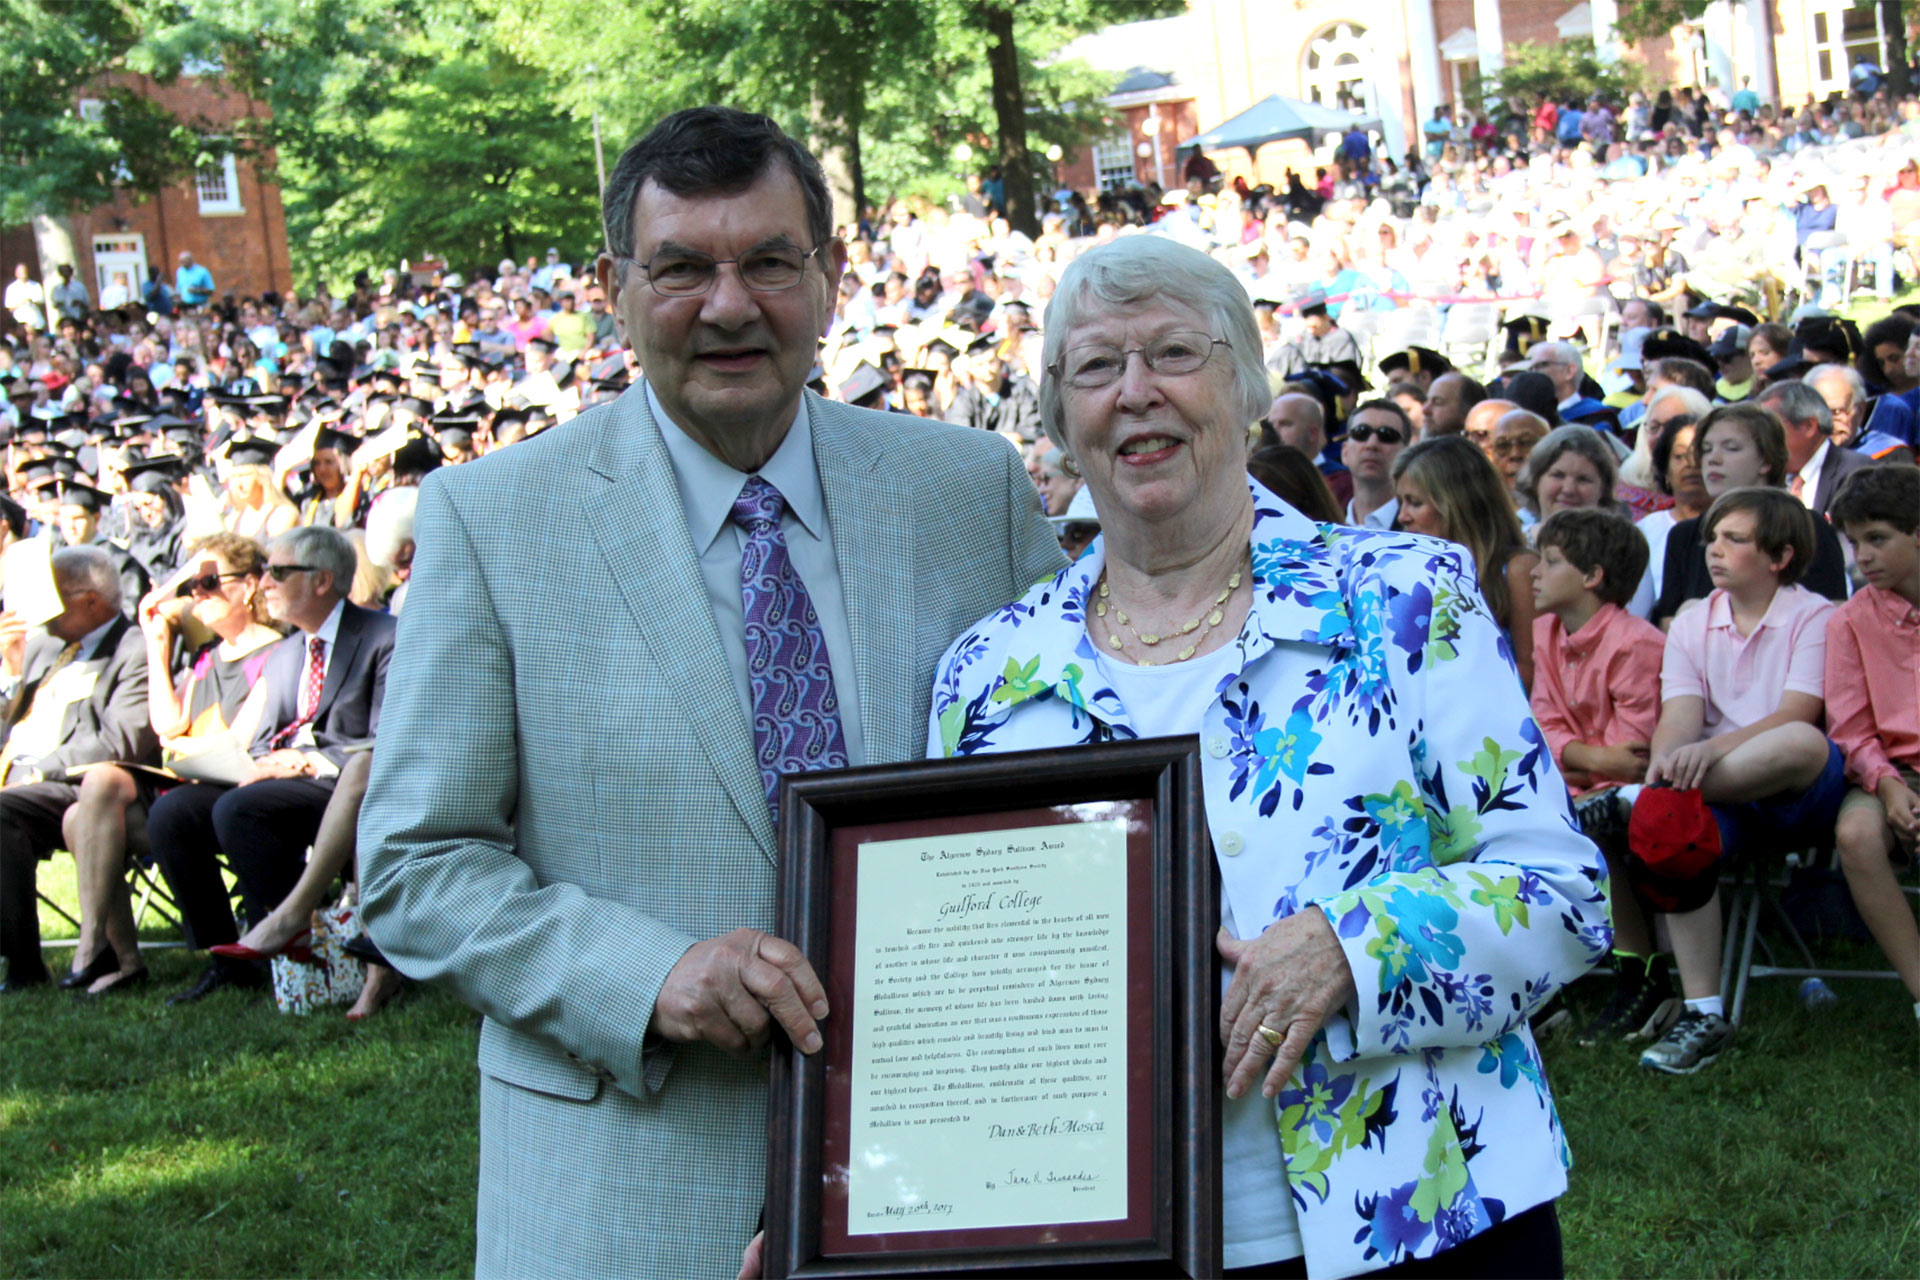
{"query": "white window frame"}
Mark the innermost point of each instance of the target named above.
(1338, 57)
(1113, 163)
(225, 197)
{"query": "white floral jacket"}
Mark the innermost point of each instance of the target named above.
(1372, 756)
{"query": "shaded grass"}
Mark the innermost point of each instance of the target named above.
(225, 1139)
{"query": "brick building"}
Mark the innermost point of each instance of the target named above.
(1396, 60)
(227, 215)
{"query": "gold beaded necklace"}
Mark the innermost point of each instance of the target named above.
(1209, 618)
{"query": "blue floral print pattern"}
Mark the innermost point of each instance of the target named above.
(1375, 755)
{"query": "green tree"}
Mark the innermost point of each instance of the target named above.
(888, 86)
(1653, 19)
(465, 160)
(1536, 72)
(52, 154)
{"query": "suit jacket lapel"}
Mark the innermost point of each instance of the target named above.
(873, 544)
(650, 556)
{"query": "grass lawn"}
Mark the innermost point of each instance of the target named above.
(227, 1140)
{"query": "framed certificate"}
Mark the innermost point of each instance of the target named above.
(1020, 1061)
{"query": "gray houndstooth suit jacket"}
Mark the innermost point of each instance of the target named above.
(565, 797)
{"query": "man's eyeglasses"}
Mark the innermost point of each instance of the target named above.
(1098, 365)
(774, 269)
(1365, 432)
(281, 572)
(207, 584)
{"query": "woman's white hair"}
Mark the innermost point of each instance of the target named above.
(390, 524)
(1141, 269)
(1638, 469)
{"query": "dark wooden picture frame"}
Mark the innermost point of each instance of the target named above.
(1173, 1162)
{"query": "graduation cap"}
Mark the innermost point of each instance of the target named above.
(1828, 335)
(941, 347)
(1348, 372)
(1667, 342)
(919, 379)
(338, 441)
(545, 343)
(150, 475)
(1329, 385)
(417, 456)
(864, 382)
(48, 418)
(456, 429)
(252, 451)
(1311, 303)
(473, 358)
(982, 345)
(1522, 333)
(414, 405)
(184, 433)
(135, 423)
(84, 496)
(1417, 360)
(39, 471)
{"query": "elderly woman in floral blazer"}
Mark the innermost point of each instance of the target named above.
(1402, 884)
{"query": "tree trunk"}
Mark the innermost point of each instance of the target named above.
(1010, 113)
(1894, 21)
(856, 175)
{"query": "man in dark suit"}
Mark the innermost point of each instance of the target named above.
(1815, 464)
(73, 696)
(325, 684)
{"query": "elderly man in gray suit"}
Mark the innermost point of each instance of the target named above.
(618, 635)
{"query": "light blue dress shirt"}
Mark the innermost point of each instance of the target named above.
(708, 488)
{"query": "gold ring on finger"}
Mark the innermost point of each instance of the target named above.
(1272, 1037)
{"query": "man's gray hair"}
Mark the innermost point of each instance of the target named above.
(1139, 270)
(707, 150)
(1856, 385)
(1563, 351)
(1691, 401)
(88, 569)
(1796, 402)
(319, 547)
(390, 525)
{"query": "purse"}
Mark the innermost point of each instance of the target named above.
(333, 976)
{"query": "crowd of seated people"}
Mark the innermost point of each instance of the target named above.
(226, 495)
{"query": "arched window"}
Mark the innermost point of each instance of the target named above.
(1336, 69)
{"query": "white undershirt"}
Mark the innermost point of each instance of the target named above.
(1256, 1208)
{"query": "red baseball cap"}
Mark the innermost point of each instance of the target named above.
(1673, 847)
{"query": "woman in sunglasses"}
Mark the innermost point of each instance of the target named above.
(220, 696)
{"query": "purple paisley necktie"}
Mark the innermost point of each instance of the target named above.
(796, 715)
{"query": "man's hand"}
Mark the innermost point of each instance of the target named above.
(284, 763)
(1623, 762)
(13, 643)
(723, 990)
(1903, 810)
(1685, 768)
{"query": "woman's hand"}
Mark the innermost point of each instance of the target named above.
(1292, 978)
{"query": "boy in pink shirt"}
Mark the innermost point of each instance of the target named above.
(1742, 689)
(1873, 704)
(1596, 696)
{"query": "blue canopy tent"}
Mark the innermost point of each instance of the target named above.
(1277, 119)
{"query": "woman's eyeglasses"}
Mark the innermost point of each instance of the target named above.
(1097, 365)
(207, 583)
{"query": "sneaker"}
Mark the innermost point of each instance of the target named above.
(1643, 1004)
(1693, 1043)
